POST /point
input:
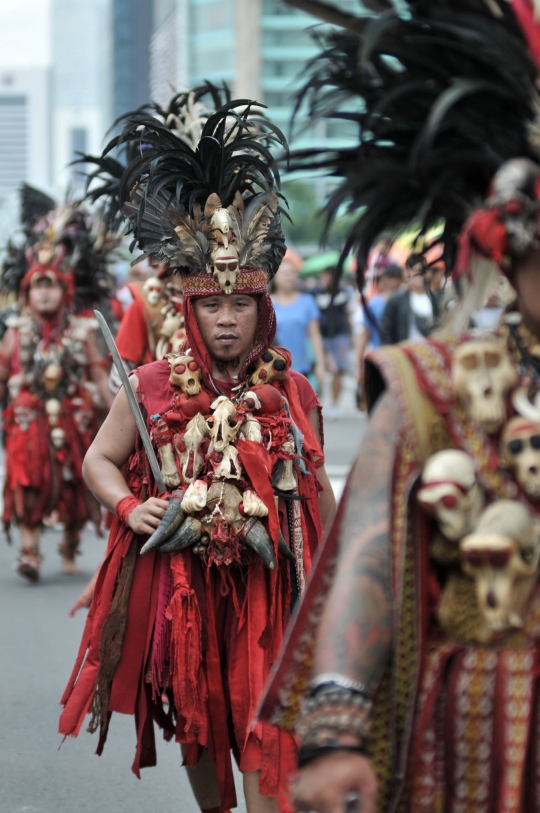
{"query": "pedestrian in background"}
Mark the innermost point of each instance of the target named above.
(389, 280)
(410, 314)
(297, 320)
(335, 331)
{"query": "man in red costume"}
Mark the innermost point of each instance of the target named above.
(57, 383)
(55, 375)
(199, 617)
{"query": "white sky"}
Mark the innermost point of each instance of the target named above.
(24, 33)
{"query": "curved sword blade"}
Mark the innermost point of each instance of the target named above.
(132, 398)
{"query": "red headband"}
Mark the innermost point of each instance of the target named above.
(66, 280)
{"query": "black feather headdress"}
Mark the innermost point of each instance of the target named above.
(185, 116)
(442, 93)
(207, 204)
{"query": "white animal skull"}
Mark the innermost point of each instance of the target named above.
(24, 416)
(58, 437)
(251, 430)
(451, 493)
(192, 459)
(52, 376)
(287, 480)
(53, 408)
(185, 373)
(195, 497)
(224, 501)
(271, 366)
(169, 472)
(520, 452)
(502, 555)
(223, 425)
(15, 385)
(221, 223)
(482, 375)
(252, 505)
(226, 266)
(229, 466)
(153, 290)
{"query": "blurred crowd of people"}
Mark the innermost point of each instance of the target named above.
(329, 334)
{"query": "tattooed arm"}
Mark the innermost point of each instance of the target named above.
(356, 628)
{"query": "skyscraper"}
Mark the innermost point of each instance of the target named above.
(259, 47)
(132, 22)
(80, 83)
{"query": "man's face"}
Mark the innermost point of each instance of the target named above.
(45, 297)
(286, 277)
(326, 279)
(227, 324)
(416, 279)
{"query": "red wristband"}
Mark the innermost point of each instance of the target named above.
(125, 506)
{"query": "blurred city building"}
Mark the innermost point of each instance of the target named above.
(25, 133)
(259, 47)
(132, 22)
(81, 83)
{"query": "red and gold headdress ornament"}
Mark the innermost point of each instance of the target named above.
(208, 205)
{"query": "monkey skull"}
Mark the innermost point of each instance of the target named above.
(226, 267)
(153, 290)
(502, 556)
(185, 373)
(482, 375)
(271, 366)
(58, 437)
(451, 493)
(52, 376)
(53, 408)
(520, 452)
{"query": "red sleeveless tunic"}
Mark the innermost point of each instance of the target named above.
(212, 634)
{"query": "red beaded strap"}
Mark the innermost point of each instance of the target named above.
(125, 506)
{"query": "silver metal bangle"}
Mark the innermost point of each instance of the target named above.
(342, 681)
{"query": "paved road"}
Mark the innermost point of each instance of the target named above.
(38, 644)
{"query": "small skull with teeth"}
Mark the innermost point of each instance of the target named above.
(451, 493)
(153, 290)
(226, 266)
(185, 373)
(502, 556)
(482, 375)
(271, 366)
(520, 453)
(224, 424)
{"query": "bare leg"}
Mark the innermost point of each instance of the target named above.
(30, 537)
(336, 386)
(69, 547)
(203, 781)
(29, 558)
(256, 803)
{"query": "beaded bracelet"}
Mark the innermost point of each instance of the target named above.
(330, 714)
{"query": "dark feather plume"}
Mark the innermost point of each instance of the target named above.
(170, 173)
(441, 94)
(34, 205)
